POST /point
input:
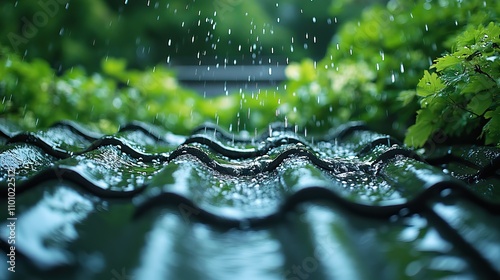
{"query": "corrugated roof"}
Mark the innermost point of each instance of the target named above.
(147, 204)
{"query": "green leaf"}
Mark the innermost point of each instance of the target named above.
(420, 132)
(445, 62)
(480, 103)
(429, 84)
(406, 96)
(489, 114)
(469, 37)
(478, 83)
(492, 129)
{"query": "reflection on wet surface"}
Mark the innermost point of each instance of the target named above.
(348, 206)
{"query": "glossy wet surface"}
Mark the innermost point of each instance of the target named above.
(147, 204)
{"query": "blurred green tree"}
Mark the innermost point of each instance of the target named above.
(145, 33)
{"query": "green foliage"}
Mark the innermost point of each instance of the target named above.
(374, 64)
(463, 94)
(34, 96)
(146, 33)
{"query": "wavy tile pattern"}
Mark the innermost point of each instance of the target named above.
(275, 205)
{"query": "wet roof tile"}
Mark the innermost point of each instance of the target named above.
(146, 204)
